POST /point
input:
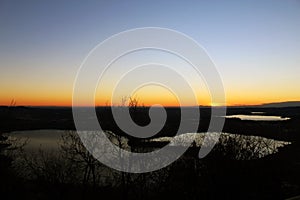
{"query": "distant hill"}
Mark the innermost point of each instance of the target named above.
(282, 104)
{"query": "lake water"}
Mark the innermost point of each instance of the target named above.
(258, 112)
(263, 146)
(258, 117)
(39, 139)
(51, 140)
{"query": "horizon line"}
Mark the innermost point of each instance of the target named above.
(170, 106)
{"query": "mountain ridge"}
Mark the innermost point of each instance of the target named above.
(281, 104)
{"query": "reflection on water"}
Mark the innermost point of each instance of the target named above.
(258, 117)
(51, 140)
(258, 113)
(263, 146)
(39, 139)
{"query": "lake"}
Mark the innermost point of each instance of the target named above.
(258, 117)
(50, 140)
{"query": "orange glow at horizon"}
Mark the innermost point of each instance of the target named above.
(32, 95)
(68, 103)
(146, 100)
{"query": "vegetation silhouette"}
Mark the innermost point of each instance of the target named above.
(230, 171)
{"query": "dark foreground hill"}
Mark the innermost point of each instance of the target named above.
(218, 176)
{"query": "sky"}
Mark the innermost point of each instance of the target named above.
(255, 46)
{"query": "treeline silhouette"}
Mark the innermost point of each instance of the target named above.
(230, 171)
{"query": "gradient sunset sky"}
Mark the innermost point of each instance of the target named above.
(254, 44)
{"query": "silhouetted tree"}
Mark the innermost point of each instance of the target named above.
(75, 152)
(5, 163)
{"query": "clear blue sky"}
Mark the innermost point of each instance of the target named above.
(255, 44)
